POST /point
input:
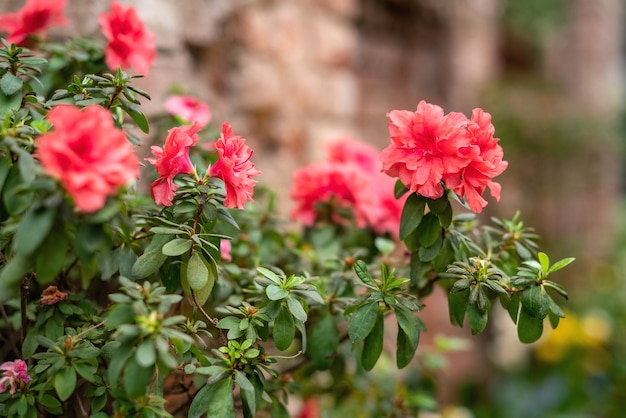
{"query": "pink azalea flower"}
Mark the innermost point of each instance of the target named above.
(36, 17)
(130, 44)
(189, 109)
(171, 160)
(234, 167)
(328, 182)
(87, 154)
(425, 145)
(225, 247)
(14, 375)
(347, 150)
(471, 182)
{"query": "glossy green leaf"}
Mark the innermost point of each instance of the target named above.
(476, 317)
(284, 329)
(529, 329)
(428, 230)
(373, 344)
(412, 214)
(65, 382)
(361, 322)
(534, 301)
(362, 272)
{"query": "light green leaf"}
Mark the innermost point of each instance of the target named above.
(177, 247)
(65, 382)
(197, 272)
(544, 260)
(560, 264)
(275, 292)
(10, 84)
(296, 309)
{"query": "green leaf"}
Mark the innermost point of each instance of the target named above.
(296, 309)
(177, 247)
(361, 322)
(33, 229)
(136, 378)
(148, 263)
(445, 217)
(428, 230)
(10, 84)
(399, 189)
(544, 260)
(140, 119)
(65, 382)
(51, 255)
(410, 324)
(10, 103)
(284, 329)
(275, 292)
(247, 394)
(427, 254)
(200, 403)
(270, 275)
(221, 402)
(373, 344)
(476, 317)
(197, 272)
(146, 354)
(560, 264)
(534, 301)
(529, 329)
(457, 305)
(324, 341)
(11, 274)
(405, 349)
(412, 214)
(51, 404)
(361, 270)
(202, 295)
(161, 230)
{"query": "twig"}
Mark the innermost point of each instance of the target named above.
(206, 315)
(24, 288)
(80, 405)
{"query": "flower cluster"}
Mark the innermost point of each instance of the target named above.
(429, 148)
(188, 109)
(36, 17)
(87, 154)
(14, 375)
(349, 178)
(130, 45)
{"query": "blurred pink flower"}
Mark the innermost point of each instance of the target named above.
(171, 160)
(130, 44)
(36, 17)
(336, 183)
(234, 167)
(14, 375)
(225, 247)
(425, 145)
(471, 181)
(87, 154)
(348, 150)
(189, 109)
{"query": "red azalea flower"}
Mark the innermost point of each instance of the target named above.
(340, 184)
(234, 167)
(471, 181)
(171, 160)
(87, 154)
(14, 375)
(189, 109)
(36, 17)
(425, 145)
(130, 45)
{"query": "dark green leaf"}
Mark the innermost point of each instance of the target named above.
(412, 214)
(373, 344)
(11, 274)
(457, 305)
(33, 229)
(51, 255)
(427, 254)
(428, 230)
(146, 354)
(148, 263)
(324, 342)
(136, 378)
(65, 382)
(284, 329)
(361, 322)
(534, 301)
(476, 317)
(399, 189)
(360, 268)
(247, 394)
(529, 329)
(221, 401)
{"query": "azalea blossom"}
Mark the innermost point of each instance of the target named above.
(14, 376)
(234, 168)
(341, 185)
(87, 154)
(425, 145)
(171, 160)
(130, 44)
(189, 109)
(225, 247)
(35, 18)
(470, 183)
(349, 178)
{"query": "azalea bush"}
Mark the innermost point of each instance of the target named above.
(113, 301)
